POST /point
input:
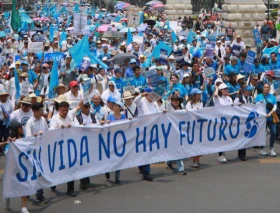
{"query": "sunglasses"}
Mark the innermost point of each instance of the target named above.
(26, 105)
(86, 106)
(111, 86)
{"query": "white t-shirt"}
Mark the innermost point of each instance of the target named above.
(21, 117)
(74, 101)
(8, 107)
(144, 106)
(222, 101)
(34, 126)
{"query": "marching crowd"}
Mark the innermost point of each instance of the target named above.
(186, 86)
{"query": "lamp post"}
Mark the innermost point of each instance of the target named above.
(268, 13)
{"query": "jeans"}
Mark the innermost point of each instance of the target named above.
(145, 169)
(4, 132)
(40, 194)
(70, 186)
(180, 165)
(272, 128)
(117, 174)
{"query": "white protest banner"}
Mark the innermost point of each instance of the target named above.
(24, 89)
(86, 91)
(35, 47)
(80, 21)
(138, 39)
(173, 25)
(209, 71)
(133, 17)
(63, 155)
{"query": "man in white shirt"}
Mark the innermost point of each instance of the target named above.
(58, 121)
(74, 96)
(37, 125)
(238, 42)
(145, 107)
(130, 110)
(24, 113)
(85, 118)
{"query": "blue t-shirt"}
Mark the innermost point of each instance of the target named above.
(180, 88)
(232, 69)
(111, 117)
(119, 83)
(258, 69)
(267, 67)
(241, 67)
(269, 98)
(140, 82)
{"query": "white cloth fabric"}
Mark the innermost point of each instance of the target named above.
(35, 126)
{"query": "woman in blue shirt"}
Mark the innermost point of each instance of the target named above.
(271, 107)
(116, 116)
(176, 87)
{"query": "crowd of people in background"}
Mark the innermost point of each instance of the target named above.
(186, 87)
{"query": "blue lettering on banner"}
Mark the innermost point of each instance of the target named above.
(140, 142)
(62, 166)
(23, 167)
(106, 147)
(84, 153)
(72, 160)
(166, 134)
(223, 128)
(52, 163)
(201, 121)
(119, 154)
(154, 137)
(214, 130)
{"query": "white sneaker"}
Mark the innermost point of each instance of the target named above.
(263, 152)
(195, 165)
(272, 153)
(24, 210)
(222, 159)
(7, 203)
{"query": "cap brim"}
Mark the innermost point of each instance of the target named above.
(128, 97)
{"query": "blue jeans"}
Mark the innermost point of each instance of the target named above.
(145, 169)
(180, 165)
(117, 174)
(272, 128)
(265, 37)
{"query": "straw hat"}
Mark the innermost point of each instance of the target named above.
(3, 91)
(61, 98)
(127, 95)
(26, 100)
(38, 99)
(61, 85)
(24, 74)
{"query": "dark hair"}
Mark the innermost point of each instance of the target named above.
(242, 54)
(273, 53)
(63, 104)
(135, 68)
(14, 129)
(175, 97)
(37, 106)
(176, 76)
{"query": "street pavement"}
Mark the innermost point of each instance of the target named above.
(235, 187)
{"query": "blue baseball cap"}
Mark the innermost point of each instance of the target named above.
(118, 70)
(195, 91)
(111, 99)
(148, 90)
(119, 103)
(133, 61)
(24, 62)
(249, 88)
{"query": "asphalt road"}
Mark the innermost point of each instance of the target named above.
(236, 187)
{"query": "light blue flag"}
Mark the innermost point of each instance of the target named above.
(167, 25)
(161, 45)
(63, 37)
(51, 33)
(191, 36)
(95, 60)
(76, 8)
(141, 15)
(17, 85)
(54, 81)
(63, 10)
(79, 50)
(129, 37)
(69, 21)
(118, 18)
(174, 36)
(100, 15)
(268, 51)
